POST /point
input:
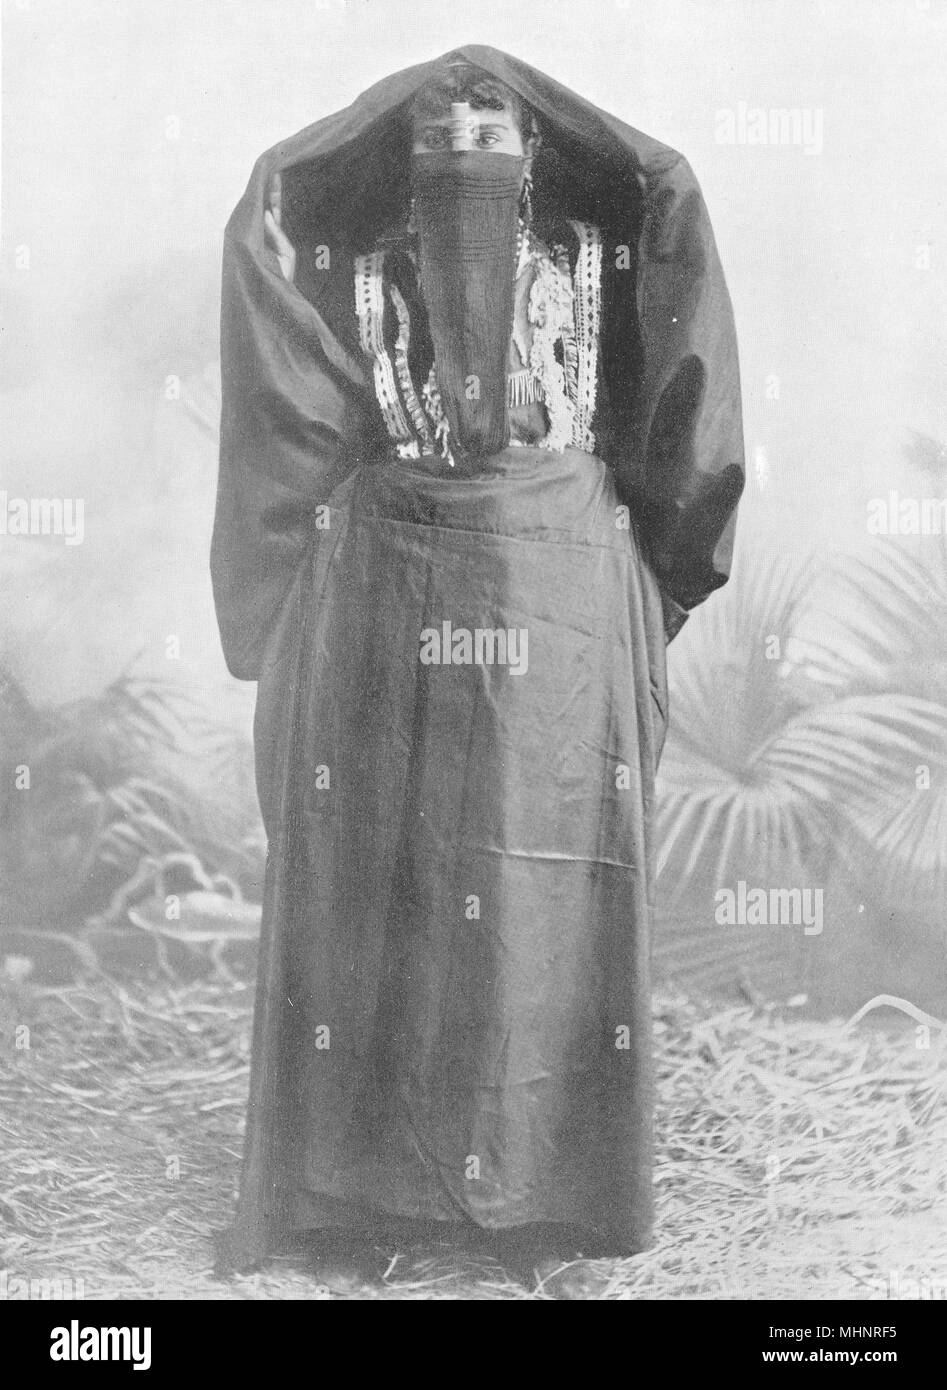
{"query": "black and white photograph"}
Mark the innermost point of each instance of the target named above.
(473, 660)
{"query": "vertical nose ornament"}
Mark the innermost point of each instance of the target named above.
(463, 126)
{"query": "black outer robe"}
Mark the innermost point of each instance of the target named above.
(300, 603)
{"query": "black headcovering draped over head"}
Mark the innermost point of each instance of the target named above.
(299, 411)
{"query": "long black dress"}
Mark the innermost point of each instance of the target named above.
(453, 1003)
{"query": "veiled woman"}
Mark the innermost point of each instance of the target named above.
(481, 451)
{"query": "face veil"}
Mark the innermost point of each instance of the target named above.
(466, 213)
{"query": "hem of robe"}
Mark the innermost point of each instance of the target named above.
(309, 1210)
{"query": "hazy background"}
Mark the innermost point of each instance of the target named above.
(129, 132)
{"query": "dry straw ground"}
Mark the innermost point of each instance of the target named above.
(796, 1158)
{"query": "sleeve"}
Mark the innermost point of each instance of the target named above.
(293, 425)
(683, 461)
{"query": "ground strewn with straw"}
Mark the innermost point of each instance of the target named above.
(795, 1158)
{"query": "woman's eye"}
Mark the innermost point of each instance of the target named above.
(488, 138)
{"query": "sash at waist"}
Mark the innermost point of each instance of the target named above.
(523, 492)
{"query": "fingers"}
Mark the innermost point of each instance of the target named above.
(278, 242)
(275, 234)
(276, 198)
(270, 231)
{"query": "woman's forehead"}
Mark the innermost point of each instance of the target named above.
(483, 115)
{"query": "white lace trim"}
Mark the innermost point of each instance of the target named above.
(425, 439)
(370, 308)
(588, 322)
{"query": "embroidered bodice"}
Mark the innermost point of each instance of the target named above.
(553, 361)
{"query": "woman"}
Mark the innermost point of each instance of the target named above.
(481, 450)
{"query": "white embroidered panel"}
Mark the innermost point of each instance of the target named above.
(564, 311)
